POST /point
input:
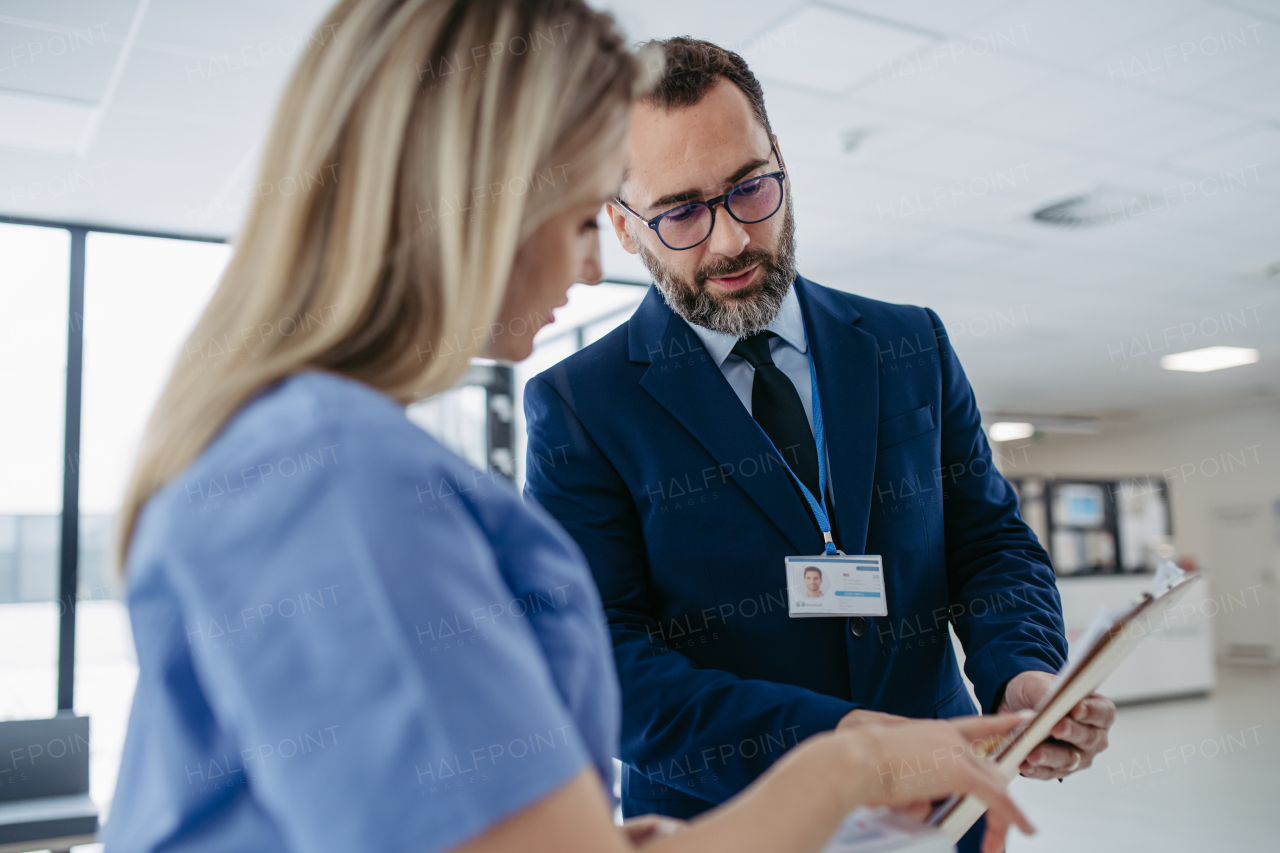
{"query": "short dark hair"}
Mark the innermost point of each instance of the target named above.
(813, 569)
(693, 66)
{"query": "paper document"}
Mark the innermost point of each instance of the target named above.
(879, 830)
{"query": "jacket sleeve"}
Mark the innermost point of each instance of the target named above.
(1003, 592)
(705, 732)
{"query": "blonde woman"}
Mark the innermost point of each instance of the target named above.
(348, 639)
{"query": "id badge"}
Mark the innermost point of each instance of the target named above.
(839, 585)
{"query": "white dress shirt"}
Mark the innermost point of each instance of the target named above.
(789, 350)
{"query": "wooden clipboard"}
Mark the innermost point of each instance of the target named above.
(1076, 681)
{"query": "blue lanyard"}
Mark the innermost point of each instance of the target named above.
(819, 511)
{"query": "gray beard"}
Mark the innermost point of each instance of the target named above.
(740, 313)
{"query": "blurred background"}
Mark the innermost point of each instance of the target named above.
(1087, 193)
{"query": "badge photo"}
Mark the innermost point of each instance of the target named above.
(840, 585)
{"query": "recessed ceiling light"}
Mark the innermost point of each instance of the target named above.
(1011, 430)
(1209, 358)
(1042, 423)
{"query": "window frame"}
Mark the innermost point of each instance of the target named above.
(69, 516)
(497, 378)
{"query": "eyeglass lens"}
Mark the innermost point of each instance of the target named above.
(751, 201)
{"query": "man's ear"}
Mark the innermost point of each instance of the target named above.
(618, 217)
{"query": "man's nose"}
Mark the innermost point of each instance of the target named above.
(728, 236)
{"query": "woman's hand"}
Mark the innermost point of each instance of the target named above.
(794, 807)
(925, 760)
(650, 827)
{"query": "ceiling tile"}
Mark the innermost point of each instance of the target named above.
(750, 29)
(225, 94)
(974, 164)
(1261, 7)
(1198, 54)
(35, 124)
(67, 63)
(1163, 132)
(1065, 107)
(1255, 157)
(253, 30)
(111, 16)
(1081, 32)
(1252, 91)
(955, 89)
(943, 16)
(842, 135)
(824, 49)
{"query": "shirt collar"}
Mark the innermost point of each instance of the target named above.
(788, 325)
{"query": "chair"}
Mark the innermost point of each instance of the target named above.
(44, 785)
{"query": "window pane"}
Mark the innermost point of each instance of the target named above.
(33, 375)
(142, 297)
(456, 419)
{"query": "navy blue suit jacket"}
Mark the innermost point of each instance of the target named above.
(641, 449)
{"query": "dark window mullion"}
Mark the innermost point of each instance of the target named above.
(69, 557)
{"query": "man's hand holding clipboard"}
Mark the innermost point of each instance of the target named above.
(1076, 738)
(1109, 640)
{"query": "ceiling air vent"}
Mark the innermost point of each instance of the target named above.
(1098, 207)
(853, 137)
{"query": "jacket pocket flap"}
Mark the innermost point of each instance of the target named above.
(905, 427)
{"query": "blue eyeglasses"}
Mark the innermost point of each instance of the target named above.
(690, 224)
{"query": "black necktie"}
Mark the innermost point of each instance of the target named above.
(776, 406)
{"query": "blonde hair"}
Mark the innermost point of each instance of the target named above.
(414, 109)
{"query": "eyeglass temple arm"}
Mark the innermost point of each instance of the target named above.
(652, 223)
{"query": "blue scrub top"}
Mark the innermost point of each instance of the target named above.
(350, 639)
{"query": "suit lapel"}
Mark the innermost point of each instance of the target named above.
(685, 381)
(845, 359)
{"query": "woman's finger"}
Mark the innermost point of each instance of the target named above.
(645, 828)
(989, 725)
(993, 839)
(1003, 809)
(919, 810)
(989, 785)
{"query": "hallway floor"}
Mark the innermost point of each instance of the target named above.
(1183, 775)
